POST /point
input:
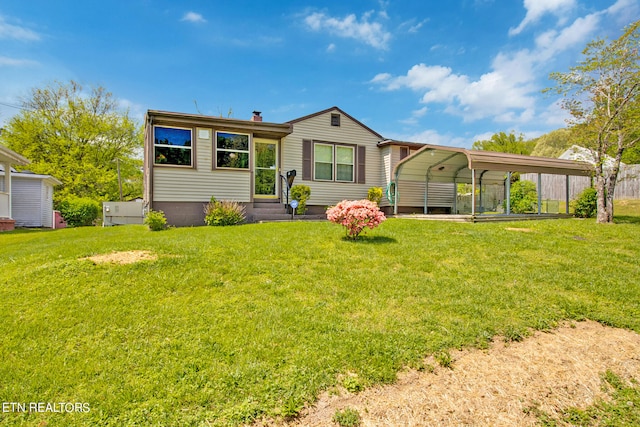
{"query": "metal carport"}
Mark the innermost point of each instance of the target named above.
(433, 163)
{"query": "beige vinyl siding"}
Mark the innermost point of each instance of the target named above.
(318, 128)
(180, 184)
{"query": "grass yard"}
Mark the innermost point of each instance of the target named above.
(231, 324)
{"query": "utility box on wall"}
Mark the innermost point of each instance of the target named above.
(121, 213)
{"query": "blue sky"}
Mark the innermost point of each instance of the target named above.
(442, 72)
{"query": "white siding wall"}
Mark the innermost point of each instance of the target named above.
(176, 184)
(318, 128)
(26, 202)
(46, 213)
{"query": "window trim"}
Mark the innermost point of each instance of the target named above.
(191, 147)
(334, 161)
(216, 149)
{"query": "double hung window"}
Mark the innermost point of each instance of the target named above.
(333, 162)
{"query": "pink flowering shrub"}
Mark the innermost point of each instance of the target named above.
(355, 215)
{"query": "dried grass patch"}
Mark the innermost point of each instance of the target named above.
(523, 230)
(122, 257)
(501, 386)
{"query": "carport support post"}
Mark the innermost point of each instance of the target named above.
(539, 193)
(567, 193)
(426, 193)
(473, 192)
(508, 197)
(455, 197)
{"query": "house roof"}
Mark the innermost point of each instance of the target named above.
(264, 129)
(449, 164)
(328, 110)
(11, 157)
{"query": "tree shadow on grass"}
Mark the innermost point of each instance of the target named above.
(626, 219)
(367, 240)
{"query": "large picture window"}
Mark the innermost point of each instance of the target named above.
(232, 150)
(329, 158)
(172, 146)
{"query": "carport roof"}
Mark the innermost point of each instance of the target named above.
(12, 157)
(449, 164)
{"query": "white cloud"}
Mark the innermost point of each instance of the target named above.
(193, 17)
(331, 48)
(494, 93)
(536, 9)
(506, 93)
(5, 61)
(431, 136)
(371, 33)
(9, 31)
(415, 115)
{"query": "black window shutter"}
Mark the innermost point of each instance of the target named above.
(361, 164)
(306, 159)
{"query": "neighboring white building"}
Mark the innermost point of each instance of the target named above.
(31, 198)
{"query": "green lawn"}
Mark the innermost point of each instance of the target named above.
(234, 323)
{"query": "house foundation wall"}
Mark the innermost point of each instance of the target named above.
(181, 214)
(189, 214)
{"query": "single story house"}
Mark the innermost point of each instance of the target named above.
(31, 198)
(189, 158)
(8, 158)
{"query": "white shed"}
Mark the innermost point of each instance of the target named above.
(31, 198)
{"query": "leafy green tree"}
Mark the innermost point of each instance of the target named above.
(553, 144)
(80, 138)
(505, 143)
(602, 94)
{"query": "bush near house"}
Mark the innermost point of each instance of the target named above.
(224, 212)
(586, 205)
(375, 195)
(301, 193)
(79, 211)
(155, 220)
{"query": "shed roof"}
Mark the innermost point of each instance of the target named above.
(449, 164)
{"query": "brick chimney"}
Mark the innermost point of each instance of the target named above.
(256, 117)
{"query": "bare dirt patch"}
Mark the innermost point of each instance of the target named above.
(123, 257)
(501, 386)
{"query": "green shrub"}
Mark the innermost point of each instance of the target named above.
(375, 195)
(586, 205)
(347, 418)
(524, 197)
(301, 193)
(79, 211)
(223, 212)
(155, 220)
